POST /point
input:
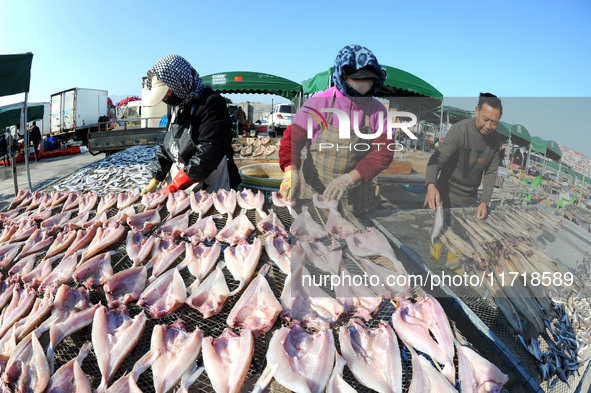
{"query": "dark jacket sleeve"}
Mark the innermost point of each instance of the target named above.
(212, 136)
(162, 166)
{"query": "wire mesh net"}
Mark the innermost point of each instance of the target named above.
(69, 348)
(411, 228)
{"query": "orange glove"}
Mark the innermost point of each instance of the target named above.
(180, 182)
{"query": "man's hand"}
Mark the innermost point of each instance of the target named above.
(482, 211)
(433, 197)
(338, 187)
(151, 187)
(290, 184)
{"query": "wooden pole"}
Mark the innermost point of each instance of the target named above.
(582, 185)
(24, 127)
(13, 164)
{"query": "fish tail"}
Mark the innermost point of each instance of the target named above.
(102, 387)
(449, 372)
(50, 358)
(265, 378)
(523, 341)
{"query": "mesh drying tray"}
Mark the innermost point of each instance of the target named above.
(410, 231)
(213, 326)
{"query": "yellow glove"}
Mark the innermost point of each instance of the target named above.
(290, 184)
(151, 187)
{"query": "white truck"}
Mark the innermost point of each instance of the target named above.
(139, 125)
(76, 109)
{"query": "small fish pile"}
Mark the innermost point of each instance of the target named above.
(563, 357)
(255, 147)
(503, 247)
(574, 307)
(128, 170)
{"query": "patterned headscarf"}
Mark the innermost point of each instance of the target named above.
(357, 57)
(178, 75)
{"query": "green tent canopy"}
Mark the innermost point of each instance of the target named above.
(454, 114)
(450, 113)
(503, 131)
(538, 144)
(398, 83)
(15, 77)
(10, 115)
(520, 135)
(553, 151)
(549, 149)
(252, 82)
(15, 73)
(318, 82)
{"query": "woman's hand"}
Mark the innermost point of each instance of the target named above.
(151, 187)
(290, 184)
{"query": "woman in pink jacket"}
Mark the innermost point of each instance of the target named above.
(341, 159)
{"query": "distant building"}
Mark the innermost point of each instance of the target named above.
(577, 161)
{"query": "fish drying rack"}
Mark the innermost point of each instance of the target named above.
(409, 230)
(69, 348)
(385, 311)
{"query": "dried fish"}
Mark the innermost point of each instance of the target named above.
(126, 171)
(437, 224)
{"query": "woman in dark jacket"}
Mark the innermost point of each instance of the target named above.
(197, 148)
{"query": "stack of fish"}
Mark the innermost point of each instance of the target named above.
(133, 249)
(503, 248)
(129, 170)
(579, 215)
(255, 147)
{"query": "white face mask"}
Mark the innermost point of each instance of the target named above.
(360, 86)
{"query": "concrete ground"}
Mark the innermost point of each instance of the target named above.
(43, 173)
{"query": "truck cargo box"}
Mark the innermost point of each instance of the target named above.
(77, 108)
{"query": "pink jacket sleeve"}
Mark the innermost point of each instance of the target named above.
(378, 159)
(294, 139)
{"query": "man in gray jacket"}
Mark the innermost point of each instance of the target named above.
(468, 155)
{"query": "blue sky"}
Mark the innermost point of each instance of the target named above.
(510, 48)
